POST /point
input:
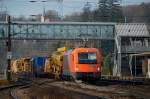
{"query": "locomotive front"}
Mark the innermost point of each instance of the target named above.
(84, 63)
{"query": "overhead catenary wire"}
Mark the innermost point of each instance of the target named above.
(65, 6)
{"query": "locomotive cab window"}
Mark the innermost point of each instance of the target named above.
(87, 58)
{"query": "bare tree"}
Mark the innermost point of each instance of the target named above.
(52, 15)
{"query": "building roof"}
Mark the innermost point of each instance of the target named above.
(141, 54)
(131, 29)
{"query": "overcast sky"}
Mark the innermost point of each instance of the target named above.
(26, 8)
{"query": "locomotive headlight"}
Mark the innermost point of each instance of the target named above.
(76, 68)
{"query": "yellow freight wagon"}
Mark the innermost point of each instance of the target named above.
(53, 64)
(27, 66)
(21, 65)
(47, 67)
(16, 66)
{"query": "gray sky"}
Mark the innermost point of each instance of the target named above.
(26, 8)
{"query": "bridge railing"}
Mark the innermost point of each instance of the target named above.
(70, 30)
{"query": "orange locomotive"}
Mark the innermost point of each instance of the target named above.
(81, 63)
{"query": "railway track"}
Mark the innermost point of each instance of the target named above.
(137, 92)
(138, 89)
(8, 89)
(55, 90)
(25, 84)
(109, 90)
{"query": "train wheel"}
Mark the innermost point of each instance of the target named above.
(62, 77)
(73, 77)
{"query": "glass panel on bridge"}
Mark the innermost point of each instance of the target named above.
(59, 31)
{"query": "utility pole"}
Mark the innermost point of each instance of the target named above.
(9, 54)
(125, 17)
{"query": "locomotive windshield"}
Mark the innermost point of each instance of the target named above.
(87, 58)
